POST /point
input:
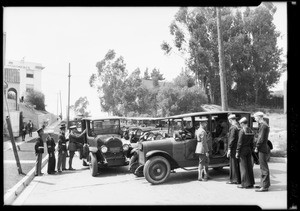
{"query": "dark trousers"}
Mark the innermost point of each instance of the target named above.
(247, 175)
(61, 161)
(30, 133)
(71, 158)
(234, 170)
(51, 163)
(23, 136)
(264, 168)
(38, 164)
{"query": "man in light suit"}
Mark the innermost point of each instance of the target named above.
(202, 150)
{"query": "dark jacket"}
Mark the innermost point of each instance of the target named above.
(263, 135)
(75, 140)
(50, 145)
(245, 141)
(39, 146)
(62, 143)
(233, 136)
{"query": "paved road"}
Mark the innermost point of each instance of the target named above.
(115, 186)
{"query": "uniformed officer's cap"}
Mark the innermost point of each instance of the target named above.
(203, 119)
(243, 120)
(39, 130)
(72, 127)
(259, 113)
(232, 116)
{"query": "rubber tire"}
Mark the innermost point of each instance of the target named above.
(157, 163)
(133, 163)
(93, 164)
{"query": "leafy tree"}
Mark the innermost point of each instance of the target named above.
(36, 98)
(184, 79)
(251, 56)
(80, 107)
(109, 81)
(146, 74)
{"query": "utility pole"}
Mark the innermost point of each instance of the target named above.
(60, 105)
(68, 108)
(223, 83)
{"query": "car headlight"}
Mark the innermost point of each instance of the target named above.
(125, 147)
(104, 149)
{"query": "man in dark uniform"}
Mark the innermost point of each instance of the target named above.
(262, 149)
(39, 150)
(243, 154)
(73, 142)
(30, 128)
(51, 152)
(62, 149)
(233, 135)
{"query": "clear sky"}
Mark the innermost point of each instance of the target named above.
(81, 36)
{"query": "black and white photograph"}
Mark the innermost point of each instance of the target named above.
(146, 105)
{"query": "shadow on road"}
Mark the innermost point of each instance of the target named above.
(190, 176)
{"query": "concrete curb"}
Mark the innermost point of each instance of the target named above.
(16, 190)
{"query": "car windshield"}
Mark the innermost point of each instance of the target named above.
(107, 126)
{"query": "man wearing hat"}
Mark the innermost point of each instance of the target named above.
(51, 153)
(262, 149)
(233, 135)
(243, 154)
(62, 149)
(72, 147)
(202, 150)
(39, 150)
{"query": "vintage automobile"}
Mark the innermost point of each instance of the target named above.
(103, 145)
(158, 158)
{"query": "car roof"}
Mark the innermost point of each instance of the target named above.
(103, 118)
(205, 113)
(144, 118)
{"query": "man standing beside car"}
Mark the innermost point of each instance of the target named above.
(262, 149)
(202, 150)
(62, 150)
(72, 147)
(233, 135)
(243, 154)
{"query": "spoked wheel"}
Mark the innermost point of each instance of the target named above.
(157, 170)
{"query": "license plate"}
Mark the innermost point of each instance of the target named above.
(114, 149)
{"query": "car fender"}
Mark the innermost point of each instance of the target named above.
(134, 150)
(164, 154)
(93, 149)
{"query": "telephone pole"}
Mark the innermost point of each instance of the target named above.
(68, 108)
(60, 105)
(223, 83)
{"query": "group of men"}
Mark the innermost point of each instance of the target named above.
(26, 128)
(240, 147)
(62, 147)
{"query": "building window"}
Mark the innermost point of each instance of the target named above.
(29, 75)
(29, 87)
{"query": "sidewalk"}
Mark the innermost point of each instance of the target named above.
(18, 140)
(14, 183)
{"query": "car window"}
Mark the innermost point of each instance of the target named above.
(106, 126)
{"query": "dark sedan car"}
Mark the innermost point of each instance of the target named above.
(160, 157)
(104, 145)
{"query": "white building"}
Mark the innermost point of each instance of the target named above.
(30, 75)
